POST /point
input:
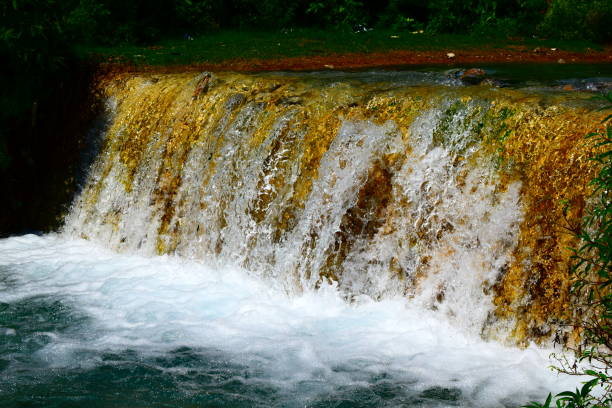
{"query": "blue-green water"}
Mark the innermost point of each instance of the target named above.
(84, 327)
(183, 376)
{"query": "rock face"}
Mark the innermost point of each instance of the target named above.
(448, 195)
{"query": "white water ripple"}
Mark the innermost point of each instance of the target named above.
(305, 345)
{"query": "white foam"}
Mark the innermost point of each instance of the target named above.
(161, 303)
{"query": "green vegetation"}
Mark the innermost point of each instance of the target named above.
(592, 287)
(116, 21)
(578, 19)
(303, 42)
(43, 32)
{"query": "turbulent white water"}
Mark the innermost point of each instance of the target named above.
(304, 347)
(443, 236)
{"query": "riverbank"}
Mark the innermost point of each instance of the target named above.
(389, 59)
(308, 50)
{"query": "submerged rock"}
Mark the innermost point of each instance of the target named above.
(472, 76)
(496, 83)
(586, 86)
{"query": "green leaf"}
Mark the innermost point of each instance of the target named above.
(568, 394)
(548, 399)
(588, 386)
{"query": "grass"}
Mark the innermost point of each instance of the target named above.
(231, 45)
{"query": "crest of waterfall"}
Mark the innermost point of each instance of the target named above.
(447, 195)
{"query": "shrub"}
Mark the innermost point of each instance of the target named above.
(401, 15)
(82, 22)
(579, 19)
(496, 18)
(337, 13)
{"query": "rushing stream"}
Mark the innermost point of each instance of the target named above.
(332, 240)
(83, 326)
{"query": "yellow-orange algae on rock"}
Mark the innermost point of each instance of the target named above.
(550, 156)
(288, 123)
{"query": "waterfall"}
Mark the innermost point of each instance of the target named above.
(447, 195)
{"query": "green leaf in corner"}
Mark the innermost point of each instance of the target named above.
(548, 400)
(534, 404)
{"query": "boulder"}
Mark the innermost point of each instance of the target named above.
(472, 76)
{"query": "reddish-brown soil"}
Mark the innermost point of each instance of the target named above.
(513, 54)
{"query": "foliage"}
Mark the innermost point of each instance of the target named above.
(495, 18)
(271, 14)
(592, 284)
(31, 27)
(402, 15)
(199, 16)
(82, 21)
(340, 13)
(31, 32)
(586, 19)
(581, 398)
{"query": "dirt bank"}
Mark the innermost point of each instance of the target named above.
(390, 59)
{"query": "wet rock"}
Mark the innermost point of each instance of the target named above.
(586, 85)
(234, 100)
(496, 83)
(274, 87)
(202, 85)
(454, 73)
(601, 86)
(472, 76)
(290, 100)
(473, 72)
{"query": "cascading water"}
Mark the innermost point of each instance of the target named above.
(339, 240)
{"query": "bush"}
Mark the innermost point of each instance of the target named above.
(262, 15)
(404, 15)
(495, 18)
(200, 16)
(579, 19)
(460, 16)
(83, 21)
(337, 13)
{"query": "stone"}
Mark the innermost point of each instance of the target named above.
(472, 76)
(202, 85)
